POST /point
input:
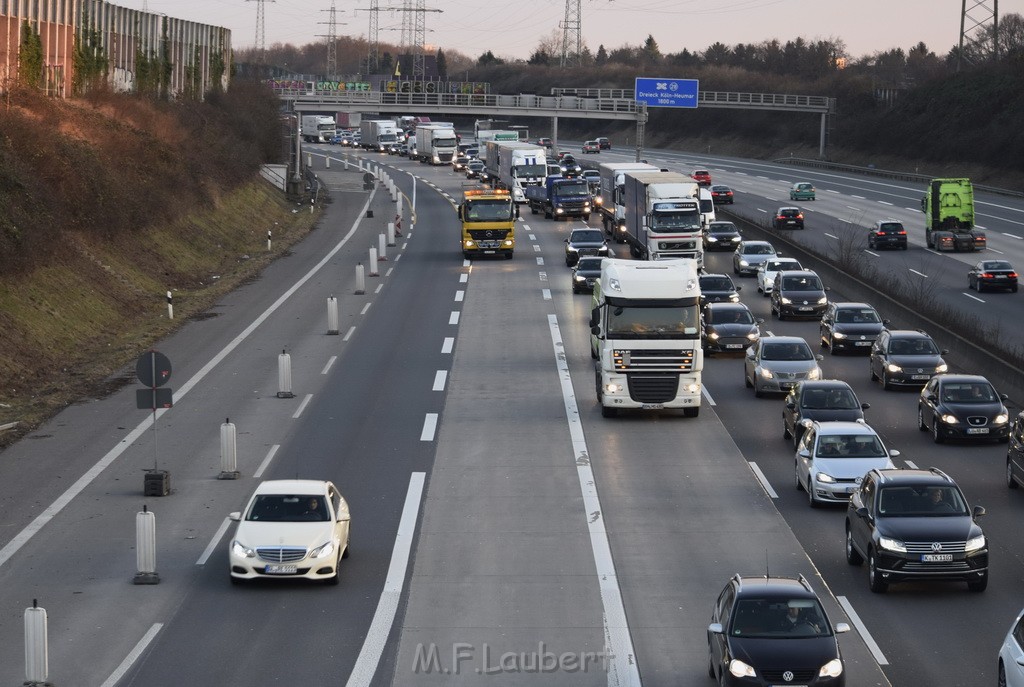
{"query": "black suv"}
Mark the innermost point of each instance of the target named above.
(584, 242)
(773, 631)
(798, 293)
(905, 356)
(819, 399)
(915, 525)
(887, 233)
(718, 288)
(788, 218)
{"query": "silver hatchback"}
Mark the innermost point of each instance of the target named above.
(750, 255)
(777, 363)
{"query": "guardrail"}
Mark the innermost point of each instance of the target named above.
(768, 101)
(887, 174)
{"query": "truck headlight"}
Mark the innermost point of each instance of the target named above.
(469, 243)
(612, 388)
(823, 300)
(508, 242)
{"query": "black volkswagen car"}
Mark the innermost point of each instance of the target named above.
(915, 525)
(718, 288)
(721, 236)
(728, 328)
(585, 274)
(850, 327)
(773, 631)
(819, 399)
(963, 407)
(905, 357)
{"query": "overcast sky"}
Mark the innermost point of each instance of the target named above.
(514, 29)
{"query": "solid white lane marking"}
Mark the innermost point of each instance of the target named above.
(546, 294)
(454, 317)
(763, 480)
(459, 295)
(863, 631)
(302, 406)
(440, 377)
(429, 427)
(920, 274)
(348, 334)
(448, 345)
(707, 394)
(132, 656)
(973, 297)
(30, 530)
(330, 361)
(387, 607)
(208, 551)
(365, 308)
(463, 278)
(622, 666)
(266, 461)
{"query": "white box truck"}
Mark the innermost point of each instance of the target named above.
(436, 144)
(378, 134)
(515, 166)
(318, 128)
(645, 336)
(612, 192)
(663, 219)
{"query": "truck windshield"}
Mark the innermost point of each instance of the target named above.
(677, 322)
(580, 188)
(529, 170)
(675, 220)
(445, 143)
(387, 138)
(489, 210)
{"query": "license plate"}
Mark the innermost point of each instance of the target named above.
(653, 406)
(861, 343)
(920, 376)
(734, 345)
(1000, 276)
(936, 557)
(977, 430)
(281, 569)
(805, 308)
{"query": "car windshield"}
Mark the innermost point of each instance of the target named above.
(883, 228)
(758, 249)
(920, 500)
(716, 284)
(996, 265)
(801, 284)
(849, 446)
(969, 392)
(740, 316)
(653, 323)
(789, 213)
(722, 228)
(857, 316)
(777, 617)
(831, 399)
(589, 265)
(288, 508)
(913, 347)
(779, 265)
(586, 236)
(786, 351)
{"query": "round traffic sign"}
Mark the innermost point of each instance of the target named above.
(153, 369)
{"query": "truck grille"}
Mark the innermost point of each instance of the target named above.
(665, 360)
(653, 388)
(280, 554)
(488, 234)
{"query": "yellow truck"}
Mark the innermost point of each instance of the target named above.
(488, 218)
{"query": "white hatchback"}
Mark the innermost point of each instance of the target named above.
(290, 528)
(833, 456)
(767, 271)
(1011, 655)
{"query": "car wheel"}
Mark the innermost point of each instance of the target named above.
(871, 369)
(533, 209)
(885, 381)
(811, 501)
(757, 390)
(1000, 681)
(1013, 289)
(1011, 483)
(852, 557)
(979, 585)
(920, 420)
(875, 581)
(936, 435)
(786, 434)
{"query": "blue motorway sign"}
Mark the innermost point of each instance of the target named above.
(667, 92)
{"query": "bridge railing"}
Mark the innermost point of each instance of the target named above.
(818, 103)
(524, 101)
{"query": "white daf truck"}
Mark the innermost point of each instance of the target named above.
(436, 144)
(645, 336)
(516, 166)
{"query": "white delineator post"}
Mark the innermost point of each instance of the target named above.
(228, 451)
(37, 653)
(332, 315)
(382, 247)
(360, 279)
(145, 547)
(284, 376)
(373, 263)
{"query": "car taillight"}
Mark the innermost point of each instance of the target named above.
(800, 216)
(987, 275)
(902, 232)
(1012, 275)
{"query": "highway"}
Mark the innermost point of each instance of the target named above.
(455, 411)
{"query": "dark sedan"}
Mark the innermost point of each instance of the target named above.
(729, 328)
(904, 356)
(717, 288)
(721, 236)
(721, 194)
(963, 407)
(585, 274)
(992, 274)
(788, 218)
(582, 242)
(819, 399)
(850, 327)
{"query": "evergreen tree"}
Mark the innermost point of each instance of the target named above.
(602, 56)
(30, 57)
(651, 54)
(442, 65)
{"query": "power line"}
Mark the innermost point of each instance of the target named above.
(975, 22)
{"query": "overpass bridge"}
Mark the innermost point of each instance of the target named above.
(577, 103)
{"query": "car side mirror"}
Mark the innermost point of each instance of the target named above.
(739, 288)
(791, 405)
(978, 511)
(893, 453)
(716, 628)
(819, 357)
(235, 516)
(1004, 397)
(804, 453)
(841, 628)
(861, 512)
(595, 330)
(944, 351)
(865, 406)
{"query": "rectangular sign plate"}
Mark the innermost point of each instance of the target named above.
(667, 92)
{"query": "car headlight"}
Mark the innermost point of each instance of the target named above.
(734, 298)
(713, 336)
(240, 549)
(1001, 419)
(950, 419)
(823, 300)
(603, 250)
(766, 373)
(838, 335)
(941, 368)
(892, 544)
(711, 239)
(754, 336)
(740, 669)
(814, 374)
(824, 478)
(571, 248)
(975, 543)
(785, 301)
(833, 668)
(744, 263)
(322, 551)
(893, 367)
(578, 277)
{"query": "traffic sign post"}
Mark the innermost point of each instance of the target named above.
(153, 369)
(667, 92)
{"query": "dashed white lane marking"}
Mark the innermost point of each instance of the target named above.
(266, 461)
(546, 294)
(763, 480)
(212, 546)
(448, 345)
(132, 656)
(459, 296)
(863, 630)
(440, 377)
(302, 406)
(463, 278)
(920, 274)
(330, 362)
(429, 427)
(348, 334)
(365, 308)
(454, 317)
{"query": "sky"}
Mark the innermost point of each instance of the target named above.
(476, 26)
